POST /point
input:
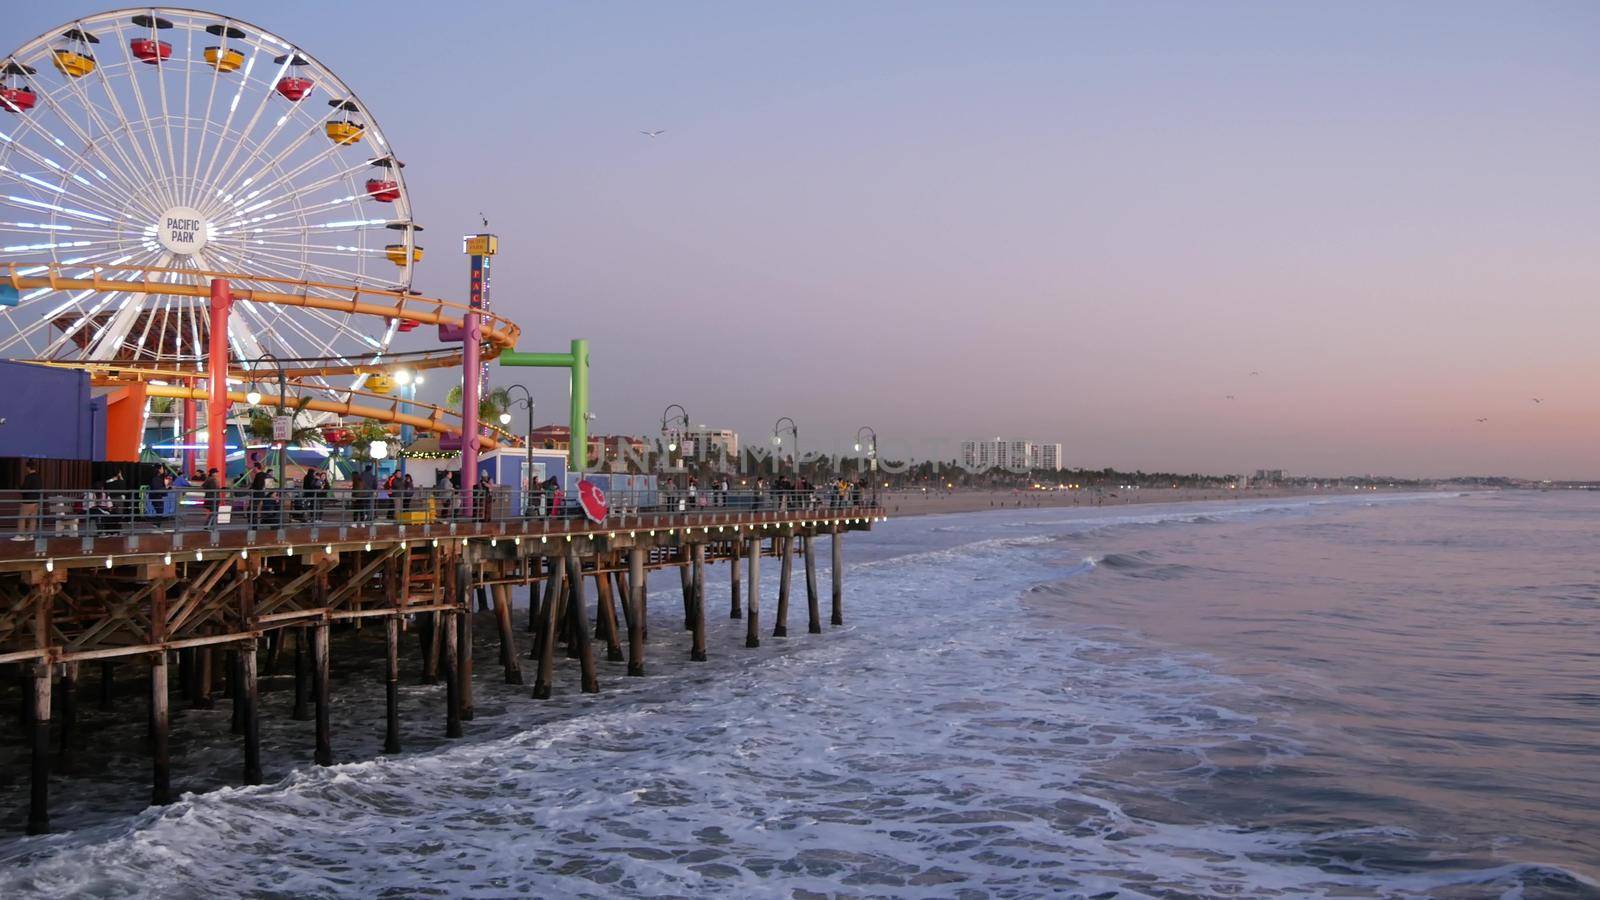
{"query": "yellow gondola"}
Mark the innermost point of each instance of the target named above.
(224, 60)
(380, 383)
(397, 254)
(74, 60)
(342, 132)
(345, 127)
(72, 63)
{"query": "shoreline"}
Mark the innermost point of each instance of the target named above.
(919, 503)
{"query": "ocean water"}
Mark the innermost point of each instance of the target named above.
(1348, 697)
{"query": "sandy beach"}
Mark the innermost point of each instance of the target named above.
(920, 503)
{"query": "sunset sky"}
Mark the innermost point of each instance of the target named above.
(1075, 222)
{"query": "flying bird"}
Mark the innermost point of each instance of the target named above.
(1254, 373)
(1538, 399)
(1230, 396)
(485, 219)
(1484, 419)
(652, 134)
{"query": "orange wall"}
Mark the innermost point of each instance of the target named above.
(125, 423)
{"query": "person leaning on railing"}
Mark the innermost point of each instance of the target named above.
(28, 509)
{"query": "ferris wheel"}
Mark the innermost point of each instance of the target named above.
(176, 143)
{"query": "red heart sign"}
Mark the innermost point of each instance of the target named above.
(593, 501)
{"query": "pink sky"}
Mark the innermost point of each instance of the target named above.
(1082, 222)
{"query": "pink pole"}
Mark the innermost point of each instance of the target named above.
(471, 353)
(217, 367)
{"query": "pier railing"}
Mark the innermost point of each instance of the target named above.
(36, 517)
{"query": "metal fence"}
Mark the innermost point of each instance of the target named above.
(45, 514)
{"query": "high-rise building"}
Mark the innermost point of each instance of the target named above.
(1046, 456)
(1015, 455)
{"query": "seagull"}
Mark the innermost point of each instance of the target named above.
(1538, 399)
(1230, 396)
(652, 134)
(1484, 419)
(1255, 373)
(485, 219)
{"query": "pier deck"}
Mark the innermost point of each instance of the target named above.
(220, 599)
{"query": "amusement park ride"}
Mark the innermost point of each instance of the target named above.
(185, 197)
(183, 194)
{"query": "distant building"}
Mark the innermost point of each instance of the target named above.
(1270, 476)
(1016, 455)
(1047, 456)
(603, 448)
(706, 442)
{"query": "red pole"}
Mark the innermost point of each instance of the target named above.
(217, 366)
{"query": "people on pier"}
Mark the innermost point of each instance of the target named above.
(28, 509)
(212, 490)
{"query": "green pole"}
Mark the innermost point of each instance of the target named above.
(580, 406)
(576, 362)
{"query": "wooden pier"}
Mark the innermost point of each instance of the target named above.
(218, 602)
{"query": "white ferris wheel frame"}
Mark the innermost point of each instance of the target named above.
(87, 174)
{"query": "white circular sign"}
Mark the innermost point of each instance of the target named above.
(182, 230)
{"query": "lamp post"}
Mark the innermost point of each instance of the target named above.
(254, 399)
(794, 433)
(667, 420)
(527, 442)
(871, 446)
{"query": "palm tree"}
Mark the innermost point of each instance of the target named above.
(260, 425)
(497, 401)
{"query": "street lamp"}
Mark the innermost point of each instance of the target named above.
(527, 442)
(794, 433)
(667, 419)
(872, 452)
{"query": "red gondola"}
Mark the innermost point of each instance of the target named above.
(408, 325)
(149, 49)
(15, 95)
(385, 187)
(293, 85)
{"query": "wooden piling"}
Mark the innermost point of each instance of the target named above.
(323, 691)
(508, 637)
(752, 634)
(432, 646)
(200, 680)
(235, 665)
(634, 600)
(780, 626)
(606, 617)
(464, 642)
(734, 568)
(838, 576)
(687, 579)
(697, 650)
(546, 638)
(391, 687)
(69, 716)
(452, 676)
(39, 795)
(160, 722)
(302, 677)
(813, 607)
(108, 684)
(591, 684)
(249, 700)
